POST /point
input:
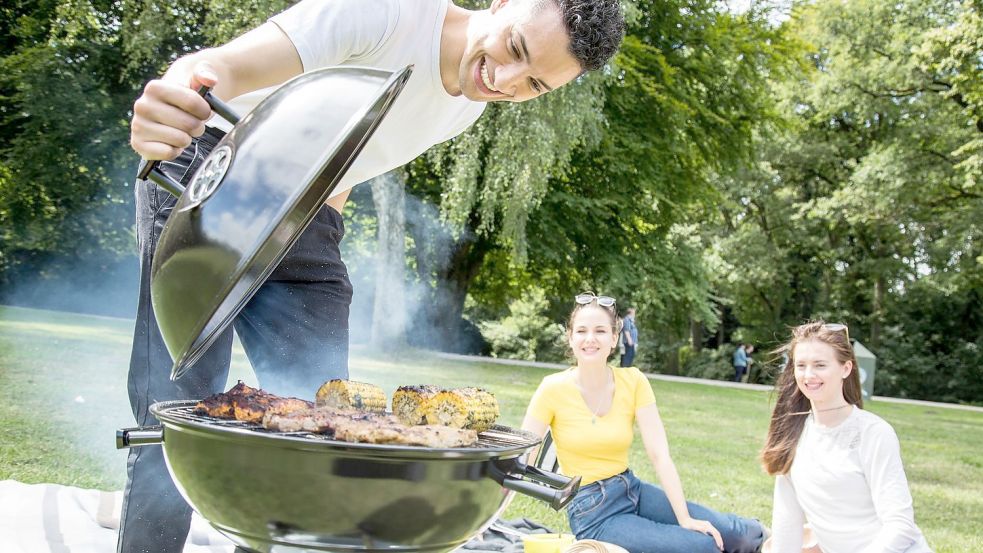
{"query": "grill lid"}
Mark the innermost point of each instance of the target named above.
(254, 195)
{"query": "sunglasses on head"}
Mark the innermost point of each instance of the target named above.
(838, 327)
(588, 297)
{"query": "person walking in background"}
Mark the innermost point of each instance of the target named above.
(836, 466)
(629, 337)
(740, 362)
(748, 352)
(621, 337)
(591, 409)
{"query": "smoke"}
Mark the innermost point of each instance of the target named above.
(430, 243)
(69, 370)
(87, 280)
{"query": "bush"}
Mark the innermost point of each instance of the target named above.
(931, 367)
(713, 364)
(526, 333)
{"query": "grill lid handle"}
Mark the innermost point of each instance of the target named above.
(149, 168)
(555, 489)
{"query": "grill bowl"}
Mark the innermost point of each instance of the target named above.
(272, 492)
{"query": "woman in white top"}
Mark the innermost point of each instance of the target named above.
(837, 467)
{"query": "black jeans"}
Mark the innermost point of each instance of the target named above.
(294, 331)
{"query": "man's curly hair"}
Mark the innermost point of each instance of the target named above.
(595, 27)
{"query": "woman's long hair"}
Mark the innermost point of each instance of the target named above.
(791, 409)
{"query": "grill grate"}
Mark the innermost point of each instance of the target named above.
(496, 437)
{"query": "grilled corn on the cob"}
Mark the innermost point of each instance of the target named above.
(472, 408)
(348, 394)
(410, 403)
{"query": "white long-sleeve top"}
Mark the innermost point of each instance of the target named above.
(847, 481)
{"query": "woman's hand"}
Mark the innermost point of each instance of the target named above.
(703, 527)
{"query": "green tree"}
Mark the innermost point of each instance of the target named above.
(69, 73)
(63, 135)
(582, 188)
(866, 208)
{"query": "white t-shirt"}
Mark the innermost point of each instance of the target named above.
(848, 483)
(384, 34)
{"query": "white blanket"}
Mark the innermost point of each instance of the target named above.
(48, 518)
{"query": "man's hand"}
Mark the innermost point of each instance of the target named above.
(171, 112)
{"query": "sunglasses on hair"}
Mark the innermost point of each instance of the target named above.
(588, 297)
(838, 327)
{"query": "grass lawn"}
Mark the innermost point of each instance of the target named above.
(63, 395)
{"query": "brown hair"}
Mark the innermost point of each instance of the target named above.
(788, 417)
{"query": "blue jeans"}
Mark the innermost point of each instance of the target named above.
(629, 356)
(637, 515)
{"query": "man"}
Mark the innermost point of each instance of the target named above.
(629, 336)
(295, 329)
(740, 362)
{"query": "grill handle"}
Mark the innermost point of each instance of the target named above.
(555, 489)
(148, 168)
(141, 435)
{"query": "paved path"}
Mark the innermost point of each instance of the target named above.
(686, 379)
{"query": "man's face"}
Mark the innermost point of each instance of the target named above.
(516, 54)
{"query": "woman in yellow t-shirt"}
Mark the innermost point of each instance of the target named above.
(591, 410)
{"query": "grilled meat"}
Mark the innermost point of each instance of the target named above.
(368, 423)
(319, 420)
(252, 409)
(248, 404)
(348, 394)
(368, 427)
(391, 431)
(220, 405)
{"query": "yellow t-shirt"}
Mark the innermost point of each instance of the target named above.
(592, 447)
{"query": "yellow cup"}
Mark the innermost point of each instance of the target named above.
(546, 543)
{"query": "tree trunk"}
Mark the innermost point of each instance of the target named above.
(389, 309)
(446, 265)
(672, 358)
(696, 335)
(452, 282)
(878, 314)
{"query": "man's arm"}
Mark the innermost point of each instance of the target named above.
(170, 112)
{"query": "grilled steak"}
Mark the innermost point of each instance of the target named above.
(244, 403)
(218, 406)
(391, 431)
(368, 427)
(319, 420)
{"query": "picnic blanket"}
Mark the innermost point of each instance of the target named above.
(51, 518)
